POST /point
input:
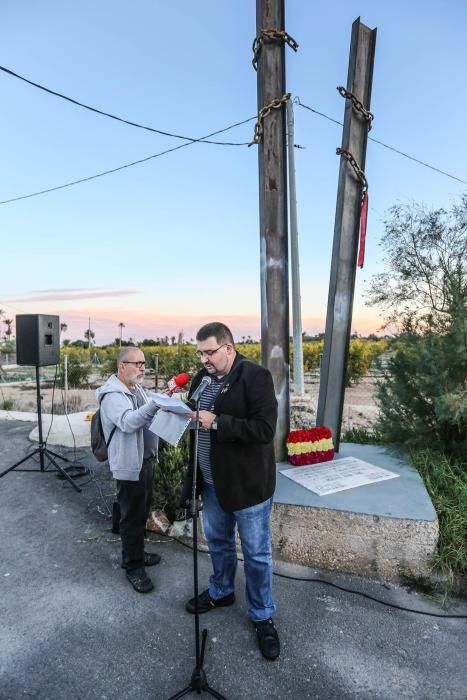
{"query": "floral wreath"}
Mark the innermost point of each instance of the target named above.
(310, 446)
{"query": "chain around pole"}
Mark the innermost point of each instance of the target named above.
(356, 168)
(270, 35)
(357, 105)
(266, 111)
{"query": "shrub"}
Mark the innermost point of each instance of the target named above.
(362, 354)
(423, 396)
(169, 474)
(78, 372)
(312, 352)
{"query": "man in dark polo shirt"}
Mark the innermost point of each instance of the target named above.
(238, 414)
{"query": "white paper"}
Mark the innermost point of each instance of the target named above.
(338, 475)
(171, 403)
(169, 426)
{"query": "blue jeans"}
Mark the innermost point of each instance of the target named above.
(255, 536)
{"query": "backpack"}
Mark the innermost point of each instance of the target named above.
(99, 445)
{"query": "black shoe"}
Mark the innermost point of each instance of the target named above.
(140, 580)
(268, 639)
(151, 558)
(206, 603)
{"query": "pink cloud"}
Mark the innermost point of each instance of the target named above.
(147, 324)
(72, 295)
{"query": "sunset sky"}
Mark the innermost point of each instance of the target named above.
(173, 242)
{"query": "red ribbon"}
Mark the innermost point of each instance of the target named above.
(363, 222)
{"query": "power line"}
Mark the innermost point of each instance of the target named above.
(127, 165)
(113, 116)
(189, 142)
(391, 148)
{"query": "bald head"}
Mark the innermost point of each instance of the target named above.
(127, 353)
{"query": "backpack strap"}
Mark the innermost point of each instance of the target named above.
(107, 442)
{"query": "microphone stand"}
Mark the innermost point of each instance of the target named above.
(198, 682)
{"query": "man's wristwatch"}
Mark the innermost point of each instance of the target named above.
(214, 424)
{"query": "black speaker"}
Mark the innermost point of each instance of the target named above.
(37, 340)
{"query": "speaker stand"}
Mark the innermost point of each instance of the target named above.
(42, 450)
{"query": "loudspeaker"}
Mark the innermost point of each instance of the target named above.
(37, 340)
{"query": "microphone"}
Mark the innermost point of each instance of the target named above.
(178, 382)
(202, 386)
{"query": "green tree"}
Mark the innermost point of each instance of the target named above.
(423, 398)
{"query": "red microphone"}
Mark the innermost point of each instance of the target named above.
(178, 382)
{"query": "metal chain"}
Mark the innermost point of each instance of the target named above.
(270, 35)
(357, 169)
(264, 112)
(357, 104)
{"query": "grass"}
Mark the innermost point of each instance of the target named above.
(446, 481)
(361, 436)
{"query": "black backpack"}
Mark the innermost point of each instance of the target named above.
(99, 445)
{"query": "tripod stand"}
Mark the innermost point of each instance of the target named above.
(42, 450)
(198, 682)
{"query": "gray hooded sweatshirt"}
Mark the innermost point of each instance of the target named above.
(119, 407)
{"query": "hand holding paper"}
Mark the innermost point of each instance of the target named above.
(170, 403)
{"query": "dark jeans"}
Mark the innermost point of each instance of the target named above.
(134, 499)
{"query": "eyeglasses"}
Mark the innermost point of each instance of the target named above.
(139, 365)
(209, 353)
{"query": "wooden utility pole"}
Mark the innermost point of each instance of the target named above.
(272, 160)
(346, 232)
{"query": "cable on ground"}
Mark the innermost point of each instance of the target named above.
(340, 588)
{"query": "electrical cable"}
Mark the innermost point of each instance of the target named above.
(74, 470)
(113, 116)
(127, 165)
(53, 407)
(340, 588)
(385, 145)
(87, 469)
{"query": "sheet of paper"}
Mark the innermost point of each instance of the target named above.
(337, 475)
(169, 426)
(170, 403)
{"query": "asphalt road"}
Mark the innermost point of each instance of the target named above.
(72, 628)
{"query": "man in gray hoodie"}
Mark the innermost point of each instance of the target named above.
(127, 407)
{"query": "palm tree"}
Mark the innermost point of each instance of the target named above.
(8, 323)
(63, 328)
(89, 335)
(121, 325)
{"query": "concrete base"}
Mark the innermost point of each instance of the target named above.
(381, 530)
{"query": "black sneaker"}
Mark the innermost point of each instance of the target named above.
(151, 558)
(140, 580)
(268, 639)
(206, 603)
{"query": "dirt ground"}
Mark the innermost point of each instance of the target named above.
(359, 404)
